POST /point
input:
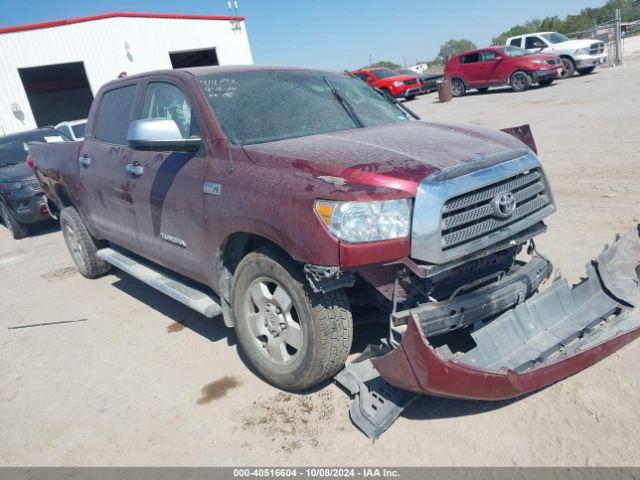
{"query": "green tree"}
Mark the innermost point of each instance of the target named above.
(453, 47)
(387, 64)
(586, 19)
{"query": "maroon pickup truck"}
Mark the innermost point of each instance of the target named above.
(299, 202)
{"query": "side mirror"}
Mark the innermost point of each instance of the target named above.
(160, 134)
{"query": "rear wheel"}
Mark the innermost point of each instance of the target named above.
(458, 88)
(586, 71)
(520, 81)
(546, 82)
(16, 229)
(293, 336)
(569, 67)
(82, 246)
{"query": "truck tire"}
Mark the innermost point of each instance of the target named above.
(82, 246)
(294, 337)
(16, 229)
(569, 67)
(586, 71)
(458, 88)
(520, 81)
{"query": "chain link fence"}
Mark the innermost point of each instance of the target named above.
(612, 33)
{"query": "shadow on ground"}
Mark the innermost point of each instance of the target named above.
(212, 329)
(423, 408)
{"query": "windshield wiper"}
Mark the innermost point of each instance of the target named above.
(345, 104)
(393, 101)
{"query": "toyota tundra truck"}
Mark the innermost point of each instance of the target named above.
(297, 203)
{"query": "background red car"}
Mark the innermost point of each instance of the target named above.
(497, 66)
(396, 84)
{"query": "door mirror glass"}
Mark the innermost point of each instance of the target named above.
(160, 134)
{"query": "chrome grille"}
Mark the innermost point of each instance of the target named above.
(596, 48)
(471, 215)
(413, 81)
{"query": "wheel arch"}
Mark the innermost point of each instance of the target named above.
(232, 250)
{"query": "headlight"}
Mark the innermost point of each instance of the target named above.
(583, 51)
(9, 186)
(366, 221)
(397, 83)
(540, 62)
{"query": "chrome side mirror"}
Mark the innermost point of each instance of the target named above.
(160, 134)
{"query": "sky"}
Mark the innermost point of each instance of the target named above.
(331, 34)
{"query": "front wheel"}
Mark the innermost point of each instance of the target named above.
(294, 337)
(586, 71)
(569, 67)
(458, 88)
(520, 82)
(546, 82)
(410, 97)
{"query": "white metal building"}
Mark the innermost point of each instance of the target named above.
(50, 72)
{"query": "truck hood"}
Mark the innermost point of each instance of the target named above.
(16, 173)
(574, 44)
(396, 156)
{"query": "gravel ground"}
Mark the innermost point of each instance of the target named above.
(137, 379)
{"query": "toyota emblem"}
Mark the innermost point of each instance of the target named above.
(504, 204)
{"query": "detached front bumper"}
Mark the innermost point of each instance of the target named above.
(553, 335)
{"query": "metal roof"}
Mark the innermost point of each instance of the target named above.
(102, 16)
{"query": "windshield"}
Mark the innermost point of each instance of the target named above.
(265, 106)
(514, 51)
(555, 37)
(383, 73)
(407, 72)
(14, 148)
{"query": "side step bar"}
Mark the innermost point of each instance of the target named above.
(202, 302)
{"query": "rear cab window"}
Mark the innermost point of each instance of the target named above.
(114, 115)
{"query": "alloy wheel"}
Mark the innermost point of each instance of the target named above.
(273, 320)
(74, 244)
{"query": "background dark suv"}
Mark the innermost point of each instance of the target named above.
(21, 198)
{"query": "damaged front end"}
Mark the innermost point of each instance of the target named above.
(550, 336)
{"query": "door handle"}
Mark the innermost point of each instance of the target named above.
(135, 169)
(84, 160)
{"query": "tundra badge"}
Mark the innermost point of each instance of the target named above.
(171, 239)
(212, 188)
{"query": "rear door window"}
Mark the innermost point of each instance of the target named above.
(516, 42)
(114, 114)
(470, 58)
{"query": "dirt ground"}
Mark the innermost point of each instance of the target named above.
(135, 378)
